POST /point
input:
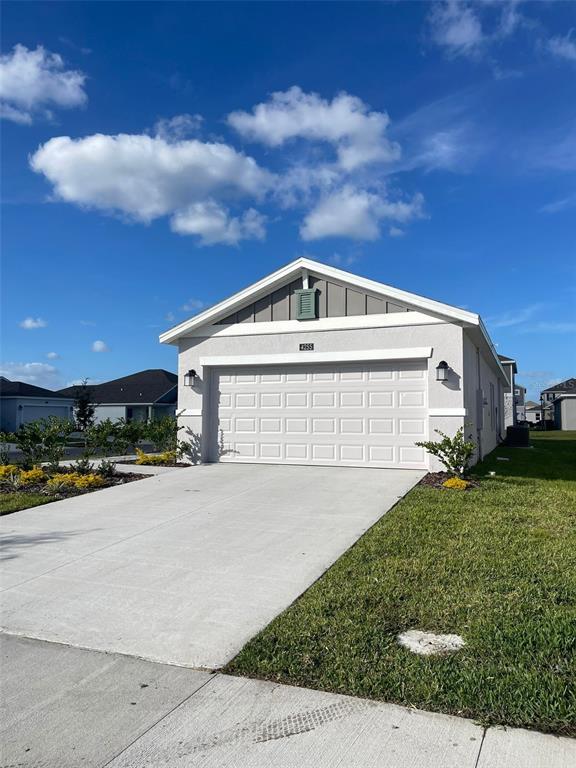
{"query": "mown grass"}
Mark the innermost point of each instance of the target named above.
(496, 565)
(14, 502)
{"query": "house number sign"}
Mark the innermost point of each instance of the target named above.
(306, 347)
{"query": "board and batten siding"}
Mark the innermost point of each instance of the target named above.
(333, 299)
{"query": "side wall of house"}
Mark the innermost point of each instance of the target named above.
(484, 392)
(446, 401)
(113, 412)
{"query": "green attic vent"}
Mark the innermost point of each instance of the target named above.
(305, 303)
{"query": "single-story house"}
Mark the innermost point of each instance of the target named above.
(21, 403)
(150, 394)
(565, 412)
(315, 365)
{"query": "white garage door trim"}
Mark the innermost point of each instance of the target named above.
(366, 413)
(410, 353)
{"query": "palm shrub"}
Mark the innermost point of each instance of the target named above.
(453, 452)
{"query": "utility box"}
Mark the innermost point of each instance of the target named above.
(518, 437)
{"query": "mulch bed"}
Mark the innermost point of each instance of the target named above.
(120, 479)
(172, 466)
(435, 480)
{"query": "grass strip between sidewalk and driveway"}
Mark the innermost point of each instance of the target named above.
(495, 564)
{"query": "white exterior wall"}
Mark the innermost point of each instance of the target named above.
(103, 412)
(446, 400)
(565, 413)
(486, 429)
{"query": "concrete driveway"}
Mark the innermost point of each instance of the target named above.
(184, 567)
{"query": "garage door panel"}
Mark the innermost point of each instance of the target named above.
(365, 414)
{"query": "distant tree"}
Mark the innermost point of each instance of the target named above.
(84, 408)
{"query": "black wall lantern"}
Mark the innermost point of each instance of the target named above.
(442, 371)
(190, 378)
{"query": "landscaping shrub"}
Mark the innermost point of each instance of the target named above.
(7, 471)
(63, 480)
(107, 469)
(167, 457)
(456, 483)
(453, 452)
(5, 438)
(163, 433)
(43, 440)
(83, 466)
(31, 476)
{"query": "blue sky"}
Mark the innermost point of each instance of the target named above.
(158, 157)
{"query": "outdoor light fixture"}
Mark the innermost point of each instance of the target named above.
(190, 378)
(442, 371)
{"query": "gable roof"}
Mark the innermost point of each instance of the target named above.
(565, 386)
(144, 387)
(287, 273)
(304, 266)
(23, 389)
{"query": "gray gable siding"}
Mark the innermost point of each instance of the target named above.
(333, 299)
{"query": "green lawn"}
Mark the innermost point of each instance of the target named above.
(14, 502)
(496, 565)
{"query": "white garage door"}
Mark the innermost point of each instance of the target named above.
(34, 412)
(353, 414)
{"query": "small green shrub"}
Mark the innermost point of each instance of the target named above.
(163, 433)
(43, 440)
(453, 452)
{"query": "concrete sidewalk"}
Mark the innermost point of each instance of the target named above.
(64, 707)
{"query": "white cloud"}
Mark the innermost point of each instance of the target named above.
(143, 176)
(178, 127)
(563, 47)
(100, 346)
(89, 323)
(32, 81)
(31, 323)
(551, 327)
(346, 122)
(356, 214)
(396, 232)
(40, 374)
(456, 27)
(53, 356)
(146, 177)
(193, 305)
(213, 224)
(514, 316)
(169, 317)
(339, 260)
(470, 29)
(558, 206)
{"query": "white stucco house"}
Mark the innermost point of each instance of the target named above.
(315, 365)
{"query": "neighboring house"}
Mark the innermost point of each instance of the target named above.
(150, 394)
(533, 412)
(567, 387)
(21, 403)
(565, 412)
(510, 415)
(314, 365)
(520, 402)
